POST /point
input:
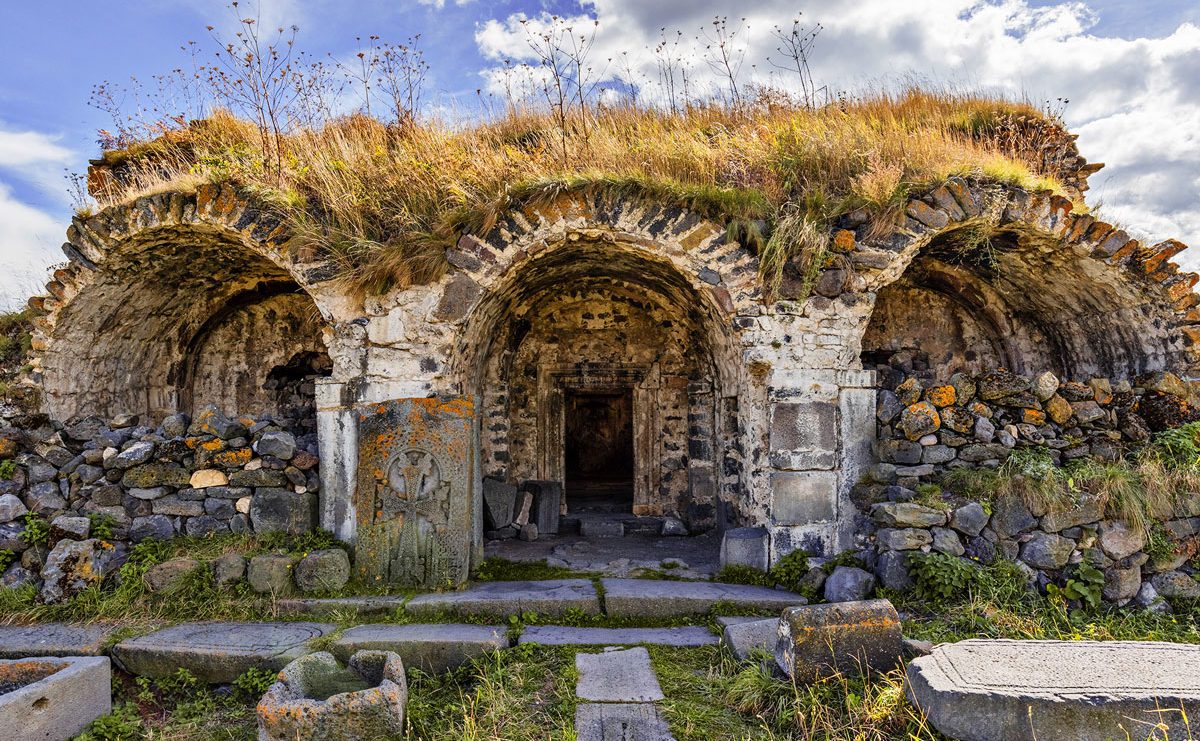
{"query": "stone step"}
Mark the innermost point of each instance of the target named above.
(554, 597)
(617, 675)
(324, 607)
(640, 721)
(53, 639)
(217, 652)
(649, 598)
(557, 635)
(993, 690)
(431, 648)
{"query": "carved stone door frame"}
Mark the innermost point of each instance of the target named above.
(554, 381)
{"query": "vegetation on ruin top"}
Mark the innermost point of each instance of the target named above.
(385, 189)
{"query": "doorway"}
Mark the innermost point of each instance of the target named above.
(598, 451)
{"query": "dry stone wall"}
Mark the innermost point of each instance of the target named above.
(81, 492)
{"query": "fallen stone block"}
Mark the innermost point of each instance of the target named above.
(617, 675)
(557, 635)
(53, 639)
(547, 499)
(743, 639)
(315, 698)
(431, 648)
(1008, 690)
(818, 641)
(53, 698)
(553, 597)
(216, 652)
(646, 598)
(499, 499)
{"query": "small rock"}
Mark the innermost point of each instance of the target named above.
(75, 528)
(904, 514)
(152, 527)
(1176, 585)
(919, 420)
(893, 570)
(166, 575)
(969, 519)
(75, 565)
(1044, 385)
(206, 477)
(529, 532)
(673, 526)
(323, 571)
(134, 455)
(1047, 552)
(281, 445)
(11, 508)
(271, 574)
(849, 584)
(229, 569)
(903, 539)
(946, 541)
(1118, 541)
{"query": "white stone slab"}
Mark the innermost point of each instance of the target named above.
(58, 698)
(988, 690)
(617, 675)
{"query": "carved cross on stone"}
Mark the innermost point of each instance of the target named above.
(414, 488)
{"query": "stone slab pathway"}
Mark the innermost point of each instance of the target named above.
(617, 675)
(647, 598)
(619, 688)
(554, 597)
(53, 639)
(323, 607)
(217, 652)
(557, 635)
(432, 648)
(988, 690)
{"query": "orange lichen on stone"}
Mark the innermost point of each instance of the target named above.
(1035, 417)
(941, 396)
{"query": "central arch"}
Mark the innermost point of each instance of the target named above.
(610, 325)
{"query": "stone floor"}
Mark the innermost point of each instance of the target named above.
(618, 689)
(689, 557)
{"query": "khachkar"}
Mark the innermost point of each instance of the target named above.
(414, 491)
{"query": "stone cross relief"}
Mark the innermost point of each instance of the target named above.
(414, 495)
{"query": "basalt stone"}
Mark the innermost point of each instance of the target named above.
(271, 574)
(849, 584)
(980, 452)
(210, 421)
(1088, 412)
(1011, 517)
(947, 541)
(174, 506)
(1088, 509)
(10, 537)
(89, 474)
(75, 528)
(1176, 585)
(892, 570)
(844, 638)
(11, 508)
(904, 452)
(166, 576)
(151, 475)
(898, 514)
(45, 498)
(969, 519)
(281, 445)
(1119, 541)
(887, 406)
(205, 525)
(152, 527)
(918, 420)
(547, 496)
(323, 571)
(998, 385)
(262, 477)
(280, 510)
(903, 539)
(229, 569)
(1044, 385)
(1047, 552)
(981, 549)
(958, 419)
(1122, 585)
(75, 565)
(135, 455)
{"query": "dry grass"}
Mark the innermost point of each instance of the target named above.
(387, 200)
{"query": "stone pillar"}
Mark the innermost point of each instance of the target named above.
(819, 432)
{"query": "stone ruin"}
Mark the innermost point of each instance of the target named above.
(627, 351)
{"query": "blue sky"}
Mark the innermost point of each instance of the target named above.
(1132, 71)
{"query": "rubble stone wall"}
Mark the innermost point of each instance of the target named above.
(928, 427)
(119, 482)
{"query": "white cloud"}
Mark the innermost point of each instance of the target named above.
(1135, 103)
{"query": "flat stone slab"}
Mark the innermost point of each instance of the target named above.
(53, 639)
(54, 698)
(617, 675)
(988, 690)
(553, 597)
(646, 598)
(620, 722)
(217, 652)
(431, 648)
(557, 635)
(323, 607)
(744, 638)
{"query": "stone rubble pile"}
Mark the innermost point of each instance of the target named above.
(926, 427)
(74, 496)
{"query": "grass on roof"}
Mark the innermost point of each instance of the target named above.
(385, 201)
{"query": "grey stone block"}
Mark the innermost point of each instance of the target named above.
(430, 648)
(601, 528)
(556, 635)
(818, 641)
(59, 696)
(617, 675)
(53, 639)
(501, 599)
(1006, 690)
(744, 638)
(499, 499)
(217, 652)
(547, 500)
(271, 573)
(746, 546)
(849, 584)
(641, 597)
(323, 571)
(280, 510)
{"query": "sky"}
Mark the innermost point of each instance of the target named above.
(1131, 71)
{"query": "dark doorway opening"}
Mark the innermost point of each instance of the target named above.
(599, 451)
